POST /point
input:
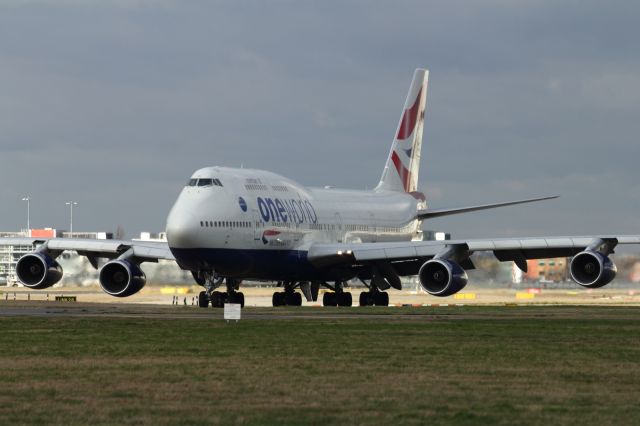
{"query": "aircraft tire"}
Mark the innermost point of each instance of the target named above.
(217, 300)
(345, 299)
(293, 299)
(236, 298)
(365, 297)
(329, 299)
(382, 299)
(203, 299)
(297, 299)
(277, 299)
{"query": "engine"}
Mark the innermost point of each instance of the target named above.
(442, 278)
(38, 270)
(121, 278)
(592, 269)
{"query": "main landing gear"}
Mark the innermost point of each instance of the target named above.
(337, 297)
(373, 297)
(218, 298)
(288, 297)
(377, 298)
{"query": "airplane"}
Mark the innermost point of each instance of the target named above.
(235, 224)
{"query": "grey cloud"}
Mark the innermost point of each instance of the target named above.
(115, 103)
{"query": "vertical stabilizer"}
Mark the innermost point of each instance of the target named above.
(401, 170)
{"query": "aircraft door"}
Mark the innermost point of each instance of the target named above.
(256, 225)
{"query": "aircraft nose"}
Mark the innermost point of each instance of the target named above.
(182, 228)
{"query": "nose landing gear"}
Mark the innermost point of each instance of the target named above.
(210, 280)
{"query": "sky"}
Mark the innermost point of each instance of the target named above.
(114, 103)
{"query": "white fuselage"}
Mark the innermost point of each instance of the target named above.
(253, 223)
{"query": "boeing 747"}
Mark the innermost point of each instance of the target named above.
(230, 225)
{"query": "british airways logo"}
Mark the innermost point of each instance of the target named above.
(269, 235)
(292, 210)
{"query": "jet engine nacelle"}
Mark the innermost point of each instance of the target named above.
(592, 269)
(121, 278)
(440, 277)
(38, 270)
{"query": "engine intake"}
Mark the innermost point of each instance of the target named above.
(442, 278)
(121, 278)
(38, 270)
(592, 269)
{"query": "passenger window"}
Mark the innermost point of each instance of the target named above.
(205, 182)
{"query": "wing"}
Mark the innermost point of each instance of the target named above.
(142, 251)
(431, 213)
(407, 258)
(121, 276)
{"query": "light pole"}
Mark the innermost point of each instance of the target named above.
(28, 200)
(71, 204)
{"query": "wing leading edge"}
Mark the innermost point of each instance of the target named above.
(431, 213)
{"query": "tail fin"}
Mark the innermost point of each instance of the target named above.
(401, 170)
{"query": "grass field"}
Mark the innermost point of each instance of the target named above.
(471, 365)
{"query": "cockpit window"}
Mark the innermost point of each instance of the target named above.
(205, 182)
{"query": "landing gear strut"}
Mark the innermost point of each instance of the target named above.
(288, 297)
(338, 297)
(210, 280)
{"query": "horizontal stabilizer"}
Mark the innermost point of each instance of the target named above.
(431, 213)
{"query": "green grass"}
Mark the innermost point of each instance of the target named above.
(471, 365)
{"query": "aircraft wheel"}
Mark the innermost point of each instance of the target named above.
(345, 299)
(203, 299)
(278, 299)
(236, 298)
(382, 299)
(329, 299)
(217, 300)
(297, 299)
(365, 297)
(293, 299)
